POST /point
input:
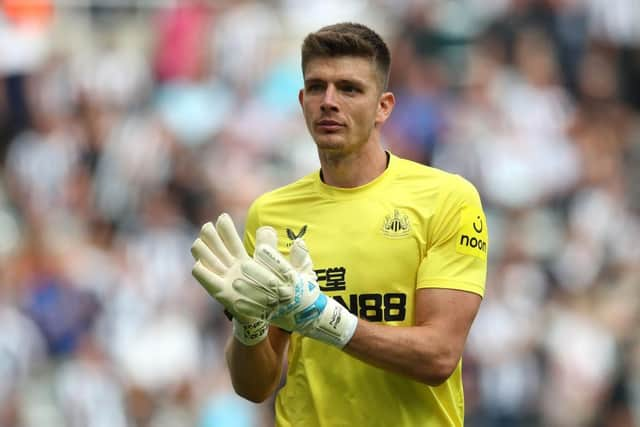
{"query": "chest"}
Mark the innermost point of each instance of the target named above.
(366, 253)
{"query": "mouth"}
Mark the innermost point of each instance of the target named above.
(327, 125)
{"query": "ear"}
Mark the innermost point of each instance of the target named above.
(301, 96)
(385, 105)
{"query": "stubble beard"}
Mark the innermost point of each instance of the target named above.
(341, 143)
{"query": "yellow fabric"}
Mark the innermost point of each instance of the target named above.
(372, 247)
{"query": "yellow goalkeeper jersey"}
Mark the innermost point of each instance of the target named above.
(372, 246)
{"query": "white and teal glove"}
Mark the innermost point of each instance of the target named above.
(309, 312)
(248, 290)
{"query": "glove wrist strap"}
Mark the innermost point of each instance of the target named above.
(250, 333)
(335, 325)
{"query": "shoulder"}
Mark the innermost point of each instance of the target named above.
(448, 186)
(294, 192)
(276, 204)
(409, 169)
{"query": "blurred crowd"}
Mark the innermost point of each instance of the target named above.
(125, 125)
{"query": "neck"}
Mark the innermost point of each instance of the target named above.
(349, 170)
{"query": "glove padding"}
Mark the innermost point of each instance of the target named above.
(309, 312)
(244, 287)
(267, 287)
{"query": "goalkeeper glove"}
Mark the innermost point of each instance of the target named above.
(245, 288)
(309, 312)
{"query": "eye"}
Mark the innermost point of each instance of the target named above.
(314, 87)
(350, 89)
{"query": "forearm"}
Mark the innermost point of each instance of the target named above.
(255, 370)
(419, 352)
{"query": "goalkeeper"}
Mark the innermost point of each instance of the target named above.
(365, 276)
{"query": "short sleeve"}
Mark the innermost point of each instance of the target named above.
(250, 227)
(458, 243)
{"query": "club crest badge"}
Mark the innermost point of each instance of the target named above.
(396, 225)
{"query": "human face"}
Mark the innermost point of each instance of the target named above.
(342, 102)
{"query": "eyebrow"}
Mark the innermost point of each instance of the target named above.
(355, 82)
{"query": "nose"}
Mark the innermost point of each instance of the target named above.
(329, 102)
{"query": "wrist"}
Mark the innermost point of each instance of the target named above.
(251, 331)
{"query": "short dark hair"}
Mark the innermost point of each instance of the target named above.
(348, 39)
